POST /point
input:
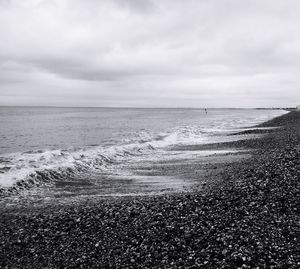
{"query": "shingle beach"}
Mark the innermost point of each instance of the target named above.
(248, 218)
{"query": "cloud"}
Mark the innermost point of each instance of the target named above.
(143, 6)
(150, 53)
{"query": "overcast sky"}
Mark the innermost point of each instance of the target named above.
(146, 53)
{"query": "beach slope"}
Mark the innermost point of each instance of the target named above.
(250, 219)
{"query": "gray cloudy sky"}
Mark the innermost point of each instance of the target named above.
(163, 53)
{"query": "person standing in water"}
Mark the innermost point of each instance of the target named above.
(205, 110)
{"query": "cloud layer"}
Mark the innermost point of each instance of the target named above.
(169, 53)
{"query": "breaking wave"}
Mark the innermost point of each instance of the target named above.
(22, 170)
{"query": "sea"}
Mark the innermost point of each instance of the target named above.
(46, 144)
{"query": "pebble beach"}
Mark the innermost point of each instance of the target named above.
(248, 217)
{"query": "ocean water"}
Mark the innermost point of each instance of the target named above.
(44, 143)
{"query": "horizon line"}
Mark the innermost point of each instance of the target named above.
(133, 107)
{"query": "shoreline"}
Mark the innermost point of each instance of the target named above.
(34, 166)
(248, 217)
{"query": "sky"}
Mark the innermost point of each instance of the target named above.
(146, 53)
